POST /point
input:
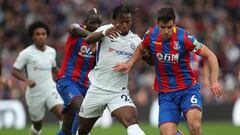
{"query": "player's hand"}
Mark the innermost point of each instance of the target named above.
(147, 56)
(216, 89)
(30, 83)
(112, 32)
(124, 67)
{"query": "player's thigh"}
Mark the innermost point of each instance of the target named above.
(67, 90)
(122, 107)
(53, 100)
(77, 100)
(191, 99)
(93, 105)
(36, 108)
(168, 109)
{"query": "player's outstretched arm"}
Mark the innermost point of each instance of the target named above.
(214, 69)
(94, 37)
(126, 66)
(20, 76)
(76, 30)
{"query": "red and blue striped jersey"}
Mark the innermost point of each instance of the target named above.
(79, 59)
(172, 58)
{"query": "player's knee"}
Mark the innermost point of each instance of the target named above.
(195, 126)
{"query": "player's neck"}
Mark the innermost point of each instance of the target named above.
(124, 34)
(40, 47)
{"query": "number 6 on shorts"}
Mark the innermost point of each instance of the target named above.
(193, 99)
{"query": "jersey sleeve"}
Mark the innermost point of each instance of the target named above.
(21, 60)
(137, 40)
(192, 44)
(146, 38)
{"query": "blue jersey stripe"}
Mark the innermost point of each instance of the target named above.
(168, 66)
(74, 55)
(153, 37)
(183, 63)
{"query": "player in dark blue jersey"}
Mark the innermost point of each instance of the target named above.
(175, 81)
(72, 79)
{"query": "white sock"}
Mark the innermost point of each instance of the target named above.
(135, 130)
(33, 131)
(60, 124)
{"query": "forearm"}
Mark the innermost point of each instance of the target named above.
(19, 74)
(137, 54)
(94, 37)
(214, 68)
(79, 32)
(205, 72)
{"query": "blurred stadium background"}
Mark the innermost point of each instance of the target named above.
(214, 22)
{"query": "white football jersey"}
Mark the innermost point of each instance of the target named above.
(38, 66)
(110, 52)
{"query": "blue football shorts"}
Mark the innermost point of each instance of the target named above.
(68, 90)
(172, 104)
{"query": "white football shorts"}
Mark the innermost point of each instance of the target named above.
(97, 99)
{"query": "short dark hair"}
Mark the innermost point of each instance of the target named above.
(35, 25)
(121, 9)
(166, 14)
(93, 11)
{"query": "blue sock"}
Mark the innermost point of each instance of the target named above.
(75, 123)
(60, 133)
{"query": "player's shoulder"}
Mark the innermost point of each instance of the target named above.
(182, 30)
(153, 30)
(28, 49)
(133, 36)
(50, 49)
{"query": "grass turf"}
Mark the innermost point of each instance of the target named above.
(209, 128)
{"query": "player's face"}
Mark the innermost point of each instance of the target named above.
(39, 37)
(93, 22)
(166, 29)
(124, 23)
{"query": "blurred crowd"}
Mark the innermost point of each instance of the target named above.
(214, 22)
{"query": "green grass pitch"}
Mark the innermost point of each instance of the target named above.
(209, 128)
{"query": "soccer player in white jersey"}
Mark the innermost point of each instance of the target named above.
(39, 63)
(108, 88)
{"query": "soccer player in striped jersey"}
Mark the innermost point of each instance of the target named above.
(72, 79)
(175, 81)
